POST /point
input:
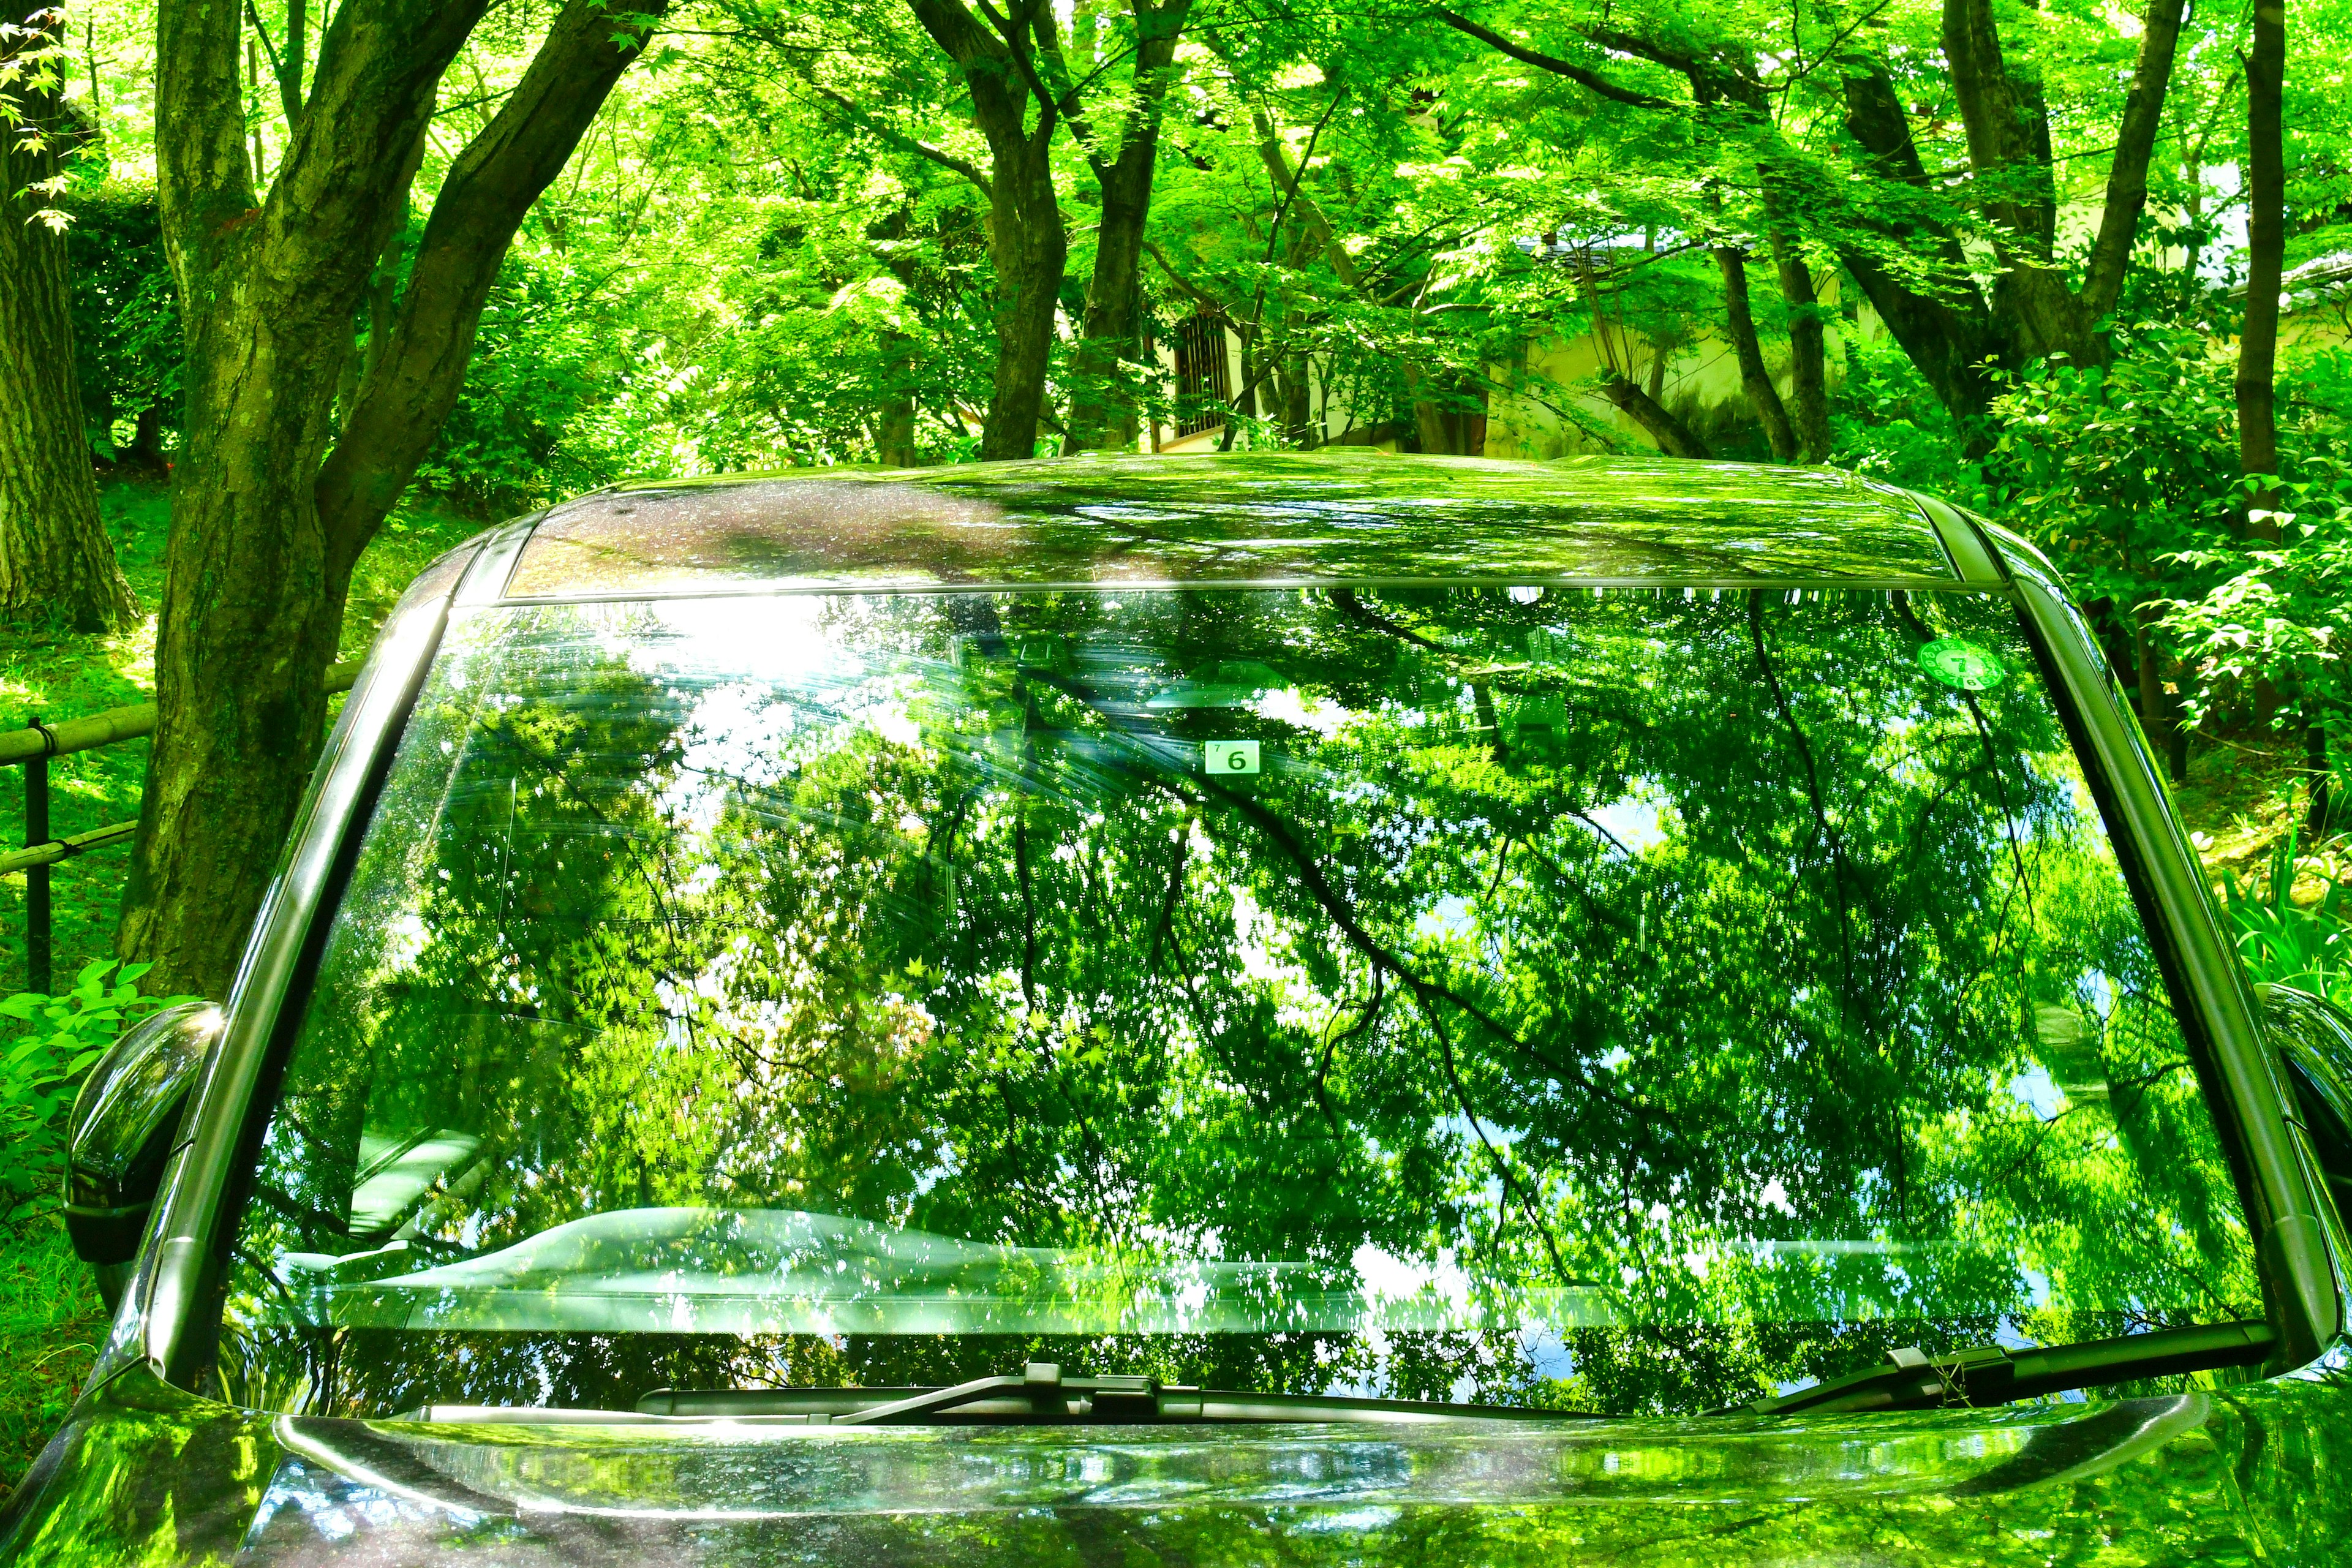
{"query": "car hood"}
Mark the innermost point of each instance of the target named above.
(146, 1474)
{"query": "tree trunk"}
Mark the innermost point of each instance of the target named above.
(1031, 253)
(1025, 237)
(1100, 416)
(417, 349)
(2265, 257)
(2159, 714)
(894, 433)
(1292, 390)
(1947, 338)
(146, 448)
(1428, 423)
(1741, 321)
(55, 559)
(894, 413)
(2126, 197)
(2008, 127)
(1808, 384)
(2319, 815)
(263, 538)
(1674, 437)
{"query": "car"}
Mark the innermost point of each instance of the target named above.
(1277, 1007)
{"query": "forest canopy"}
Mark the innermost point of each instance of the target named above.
(2079, 267)
(786, 238)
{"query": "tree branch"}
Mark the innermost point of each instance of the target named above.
(2103, 278)
(414, 379)
(1205, 300)
(1277, 163)
(1675, 439)
(289, 99)
(1590, 80)
(904, 143)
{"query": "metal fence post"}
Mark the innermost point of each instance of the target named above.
(36, 878)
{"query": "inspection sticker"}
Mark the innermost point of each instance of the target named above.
(1961, 664)
(1229, 757)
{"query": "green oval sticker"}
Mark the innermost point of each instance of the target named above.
(1961, 664)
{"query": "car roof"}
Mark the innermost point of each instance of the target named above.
(1256, 518)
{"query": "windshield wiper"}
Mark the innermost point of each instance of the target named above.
(1987, 1375)
(1041, 1393)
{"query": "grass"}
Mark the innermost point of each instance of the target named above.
(50, 1320)
(2243, 796)
(50, 1326)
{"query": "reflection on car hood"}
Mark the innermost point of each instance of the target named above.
(146, 1474)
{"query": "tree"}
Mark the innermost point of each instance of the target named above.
(1754, 379)
(1019, 115)
(1728, 93)
(2265, 65)
(1123, 152)
(2030, 311)
(272, 501)
(1900, 239)
(55, 559)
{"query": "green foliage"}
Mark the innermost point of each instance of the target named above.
(551, 363)
(2279, 613)
(1889, 425)
(2284, 942)
(2117, 472)
(126, 318)
(40, 1071)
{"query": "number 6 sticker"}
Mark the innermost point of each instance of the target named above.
(1230, 756)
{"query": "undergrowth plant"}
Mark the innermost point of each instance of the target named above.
(2283, 943)
(42, 1069)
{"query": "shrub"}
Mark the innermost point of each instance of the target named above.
(42, 1070)
(2283, 943)
(2118, 472)
(2279, 614)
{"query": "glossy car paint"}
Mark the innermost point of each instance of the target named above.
(148, 1472)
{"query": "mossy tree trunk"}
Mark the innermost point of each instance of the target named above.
(267, 519)
(1110, 328)
(55, 559)
(1740, 320)
(1019, 116)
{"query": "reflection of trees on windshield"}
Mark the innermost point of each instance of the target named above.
(1672, 992)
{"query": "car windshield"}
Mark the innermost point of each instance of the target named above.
(1629, 1001)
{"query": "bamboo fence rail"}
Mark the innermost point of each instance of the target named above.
(31, 748)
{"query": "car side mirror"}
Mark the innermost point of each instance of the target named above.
(122, 1133)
